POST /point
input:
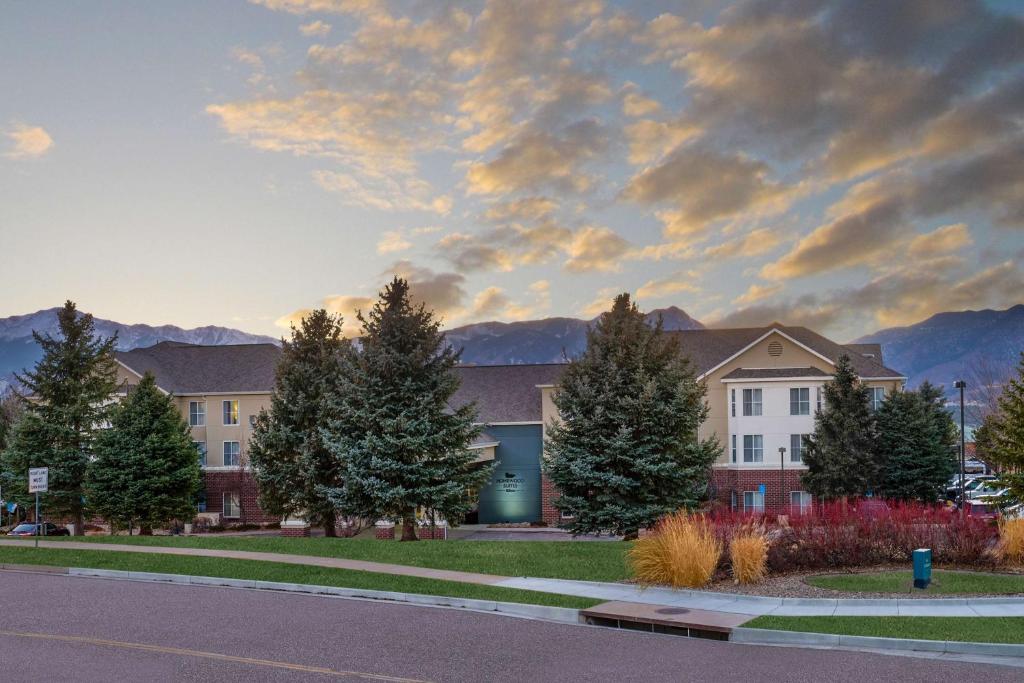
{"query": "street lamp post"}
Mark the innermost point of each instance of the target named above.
(782, 478)
(961, 385)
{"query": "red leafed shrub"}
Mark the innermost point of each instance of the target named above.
(866, 533)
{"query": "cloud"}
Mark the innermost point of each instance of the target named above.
(315, 28)
(540, 159)
(325, 6)
(525, 209)
(595, 249)
(944, 240)
(756, 292)
(705, 186)
(601, 303)
(754, 243)
(391, 242)
(378, 191)
(650, 140)
(635, 104)
(673, 284)
(28, 142)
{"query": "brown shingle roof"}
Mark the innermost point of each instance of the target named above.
(193, 369)
(872, 350)
(709, 348)
(772, 373)
(505, 393)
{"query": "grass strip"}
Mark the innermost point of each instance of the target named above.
(943, 583)
(964, 629)
(287, 573)
(584, 561)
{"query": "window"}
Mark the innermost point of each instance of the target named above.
(232, 506)
(753, 448)
(799, 401)
(751, 401)
(734, 403)
(877, 396)
(230, 412)
(734, 448)
(232, 453)
(197, 413)
(797, 443)
(201, 502)
(753, 501)
(818, 393)
(800, 501)
(201, 447)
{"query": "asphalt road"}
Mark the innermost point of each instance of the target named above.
(59, 628)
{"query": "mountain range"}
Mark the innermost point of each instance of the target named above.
(941, 348)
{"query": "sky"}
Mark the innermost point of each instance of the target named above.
(844, 165)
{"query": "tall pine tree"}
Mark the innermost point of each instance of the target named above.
(69, 394)
(401, 444)
(1001, 438)
(915, 445)
(146, 468)
(626, 450)
(840, 455)
(291, 463)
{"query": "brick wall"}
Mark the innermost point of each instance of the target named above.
(548, 492)
(217, 483)
(778, 486)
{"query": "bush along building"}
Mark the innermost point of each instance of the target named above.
(763, 387)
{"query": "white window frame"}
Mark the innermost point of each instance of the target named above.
(236, 510)
(203, 452)
(877, 396)
(756, 448)
(796, 452)
(756, 407)
(802, 405)
(224, 454)
(197, 413)
(733, 403)
(233, 412)
(734, 448)
(803, 503)
(818, 394)
(757, 501)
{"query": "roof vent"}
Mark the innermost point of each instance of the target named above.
(775, 348)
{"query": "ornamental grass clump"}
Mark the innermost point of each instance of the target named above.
(1011, 541)
(681, 552)
(748, 553)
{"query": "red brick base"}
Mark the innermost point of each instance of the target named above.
(730, 484)
(384, 533)
(426, 533)
(217, 484)
(295, 531)
(549, 514)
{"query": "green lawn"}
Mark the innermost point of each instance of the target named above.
(966, 629)
(275, 571)
(943, 582)
(585, 561)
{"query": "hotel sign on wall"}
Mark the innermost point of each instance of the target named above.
(511, 483)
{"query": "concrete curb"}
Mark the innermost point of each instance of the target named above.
(558, 614)
(757, 636)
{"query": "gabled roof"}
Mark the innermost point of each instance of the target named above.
(711, 348)
(505, 393)
(774, 373)
(873, 351)
(193, 369)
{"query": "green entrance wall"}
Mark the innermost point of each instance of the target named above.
(514, 492)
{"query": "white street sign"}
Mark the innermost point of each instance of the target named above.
(38, 479)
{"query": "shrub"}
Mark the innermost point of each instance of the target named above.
(1011, 541)
(682, 552)
(748, 552)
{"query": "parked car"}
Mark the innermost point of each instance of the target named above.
(974, 467)
(971, 481)
(49, 529)
(982, 509)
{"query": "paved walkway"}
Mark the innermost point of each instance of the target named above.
(699, 600)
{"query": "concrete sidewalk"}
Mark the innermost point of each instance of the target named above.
(691, 599)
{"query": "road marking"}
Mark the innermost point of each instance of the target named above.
(212, 655)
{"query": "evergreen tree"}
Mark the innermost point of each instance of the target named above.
(626, 450)
(915, 444)
(69, 391)
(1001, 438)
(291, 462)
(840, 455)
(401, 445)
(146, 468)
